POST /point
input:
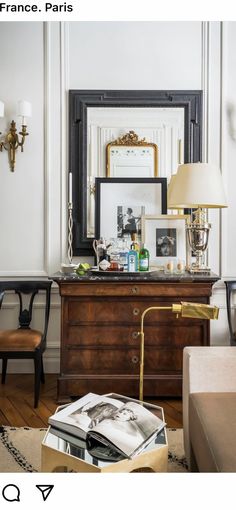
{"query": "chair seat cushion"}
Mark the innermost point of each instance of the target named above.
(212, 422)
(19, 340)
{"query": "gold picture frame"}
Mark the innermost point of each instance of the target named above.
(129, 153)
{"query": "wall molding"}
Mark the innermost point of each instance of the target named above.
(64, 80)
(53, 141)
(212, 142)
(51, 365)
(23, 274)
(224, 157)
(205, 87)
(47, 75)
(37, 306)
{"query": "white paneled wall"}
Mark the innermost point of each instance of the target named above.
(22, 192)
(135, 55)
(106, 55)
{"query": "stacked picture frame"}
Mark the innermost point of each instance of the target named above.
(110, 207)
(139, 205)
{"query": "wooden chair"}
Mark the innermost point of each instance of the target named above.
(25, 342)
(230, 288)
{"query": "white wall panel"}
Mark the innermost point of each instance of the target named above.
(22, 192)
(135, 55)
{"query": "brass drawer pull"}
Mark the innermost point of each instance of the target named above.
(135, 359)
(136, 311)
(135, 335)
(134, 290)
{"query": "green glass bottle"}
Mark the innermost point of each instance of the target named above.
(143, 259)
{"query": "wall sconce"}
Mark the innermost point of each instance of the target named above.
(11, 141)
(184, 309)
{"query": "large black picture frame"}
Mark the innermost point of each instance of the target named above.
(116, 182)
(81, 100)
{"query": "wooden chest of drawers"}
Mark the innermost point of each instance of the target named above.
(100, 322)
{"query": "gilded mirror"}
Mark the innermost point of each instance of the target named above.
(130, 156)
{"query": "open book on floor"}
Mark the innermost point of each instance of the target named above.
(120, 423)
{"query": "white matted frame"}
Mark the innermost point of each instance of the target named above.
(147, 195)
(165, 237)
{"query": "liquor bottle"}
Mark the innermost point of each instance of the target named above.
(143, 259)
(132, 261)
(124, 250)
(134, 245)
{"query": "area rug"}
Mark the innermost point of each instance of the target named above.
(20, 450)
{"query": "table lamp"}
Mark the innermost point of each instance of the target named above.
(197, 186)
(184, 309)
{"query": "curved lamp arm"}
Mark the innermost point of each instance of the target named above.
(185, 309)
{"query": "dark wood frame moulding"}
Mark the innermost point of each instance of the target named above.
(81, 100)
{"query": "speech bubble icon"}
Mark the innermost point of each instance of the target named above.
(11, 493)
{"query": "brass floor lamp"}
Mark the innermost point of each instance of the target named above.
(191, 310)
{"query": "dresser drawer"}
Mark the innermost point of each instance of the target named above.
(102, 335)
(107, 310)
(118, 336)
(123, 361)
(135, 288)
(117, 311)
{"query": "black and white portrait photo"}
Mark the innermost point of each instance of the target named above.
(128, 427)
(89, 416)
(129, 220)
(166, 242)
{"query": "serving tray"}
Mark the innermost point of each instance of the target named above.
(121, 273)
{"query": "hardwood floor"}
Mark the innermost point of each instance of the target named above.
(17, 396)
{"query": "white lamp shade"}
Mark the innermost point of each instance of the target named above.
(170, 188)
(196, 185)
(1, 109)
(24, 108)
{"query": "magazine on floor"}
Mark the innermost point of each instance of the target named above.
(124, 425)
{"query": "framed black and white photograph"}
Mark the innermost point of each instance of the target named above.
(165, 238)
(120, 204)
(129, 220)
(166, 242)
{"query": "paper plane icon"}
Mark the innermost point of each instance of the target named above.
(45, 490)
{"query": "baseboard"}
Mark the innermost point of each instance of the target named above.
(24, 366)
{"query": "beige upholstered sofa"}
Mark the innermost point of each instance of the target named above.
(209, 408)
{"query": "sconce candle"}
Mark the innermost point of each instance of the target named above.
(24, 110)
(70, 188)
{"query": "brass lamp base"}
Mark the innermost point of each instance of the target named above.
(198, 234)
(198, 269)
